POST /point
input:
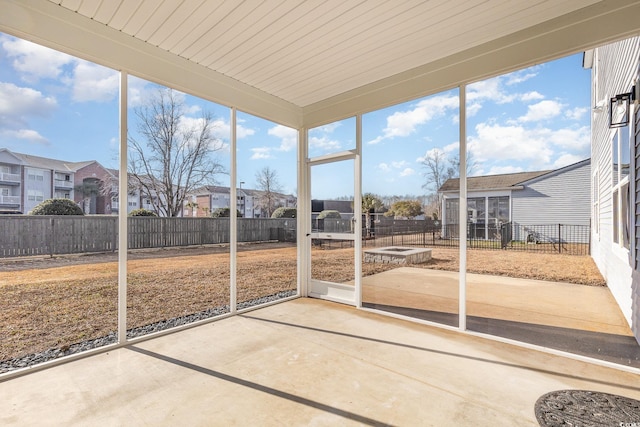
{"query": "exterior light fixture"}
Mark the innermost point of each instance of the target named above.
(619, 108)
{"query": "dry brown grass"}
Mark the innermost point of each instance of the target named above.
(50, 303)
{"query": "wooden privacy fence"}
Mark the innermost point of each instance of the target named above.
(22, 235)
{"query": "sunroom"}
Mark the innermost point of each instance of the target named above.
(302, 67)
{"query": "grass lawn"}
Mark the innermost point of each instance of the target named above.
(52, 303)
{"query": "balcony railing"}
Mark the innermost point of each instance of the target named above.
(9, 177)
(10, 200)
(60, 183)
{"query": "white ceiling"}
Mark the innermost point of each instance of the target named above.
(309, 61)
(307, 51)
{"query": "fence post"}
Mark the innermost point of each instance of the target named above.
(392, 234)
(559, 238)
(114, 234)
(52, 237)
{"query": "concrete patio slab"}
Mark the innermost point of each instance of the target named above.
(304, 362)
(578, 319)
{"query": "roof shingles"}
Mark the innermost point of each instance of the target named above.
(491, 182)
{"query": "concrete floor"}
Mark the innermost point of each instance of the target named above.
(304, 362)
(584, 320)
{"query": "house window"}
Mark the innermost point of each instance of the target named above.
(4, 191)
(5, 169)
(35, 196)
(620, 190)
(35, 176)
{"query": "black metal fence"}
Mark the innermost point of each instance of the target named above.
(550, 238)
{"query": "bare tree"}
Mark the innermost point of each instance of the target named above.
(454, 165)
(269, 186)
(438, 169)
(175, 155)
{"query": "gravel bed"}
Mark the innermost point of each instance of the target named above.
(54, 353)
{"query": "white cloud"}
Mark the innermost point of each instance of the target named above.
(18, 101)
(576, 113)
(399, 164)
(192, 109)
(384, 167)
(222, 130)
(494, 142)
(376, 140)
(521, 75)
(260, 153)
(434, 152)
(473, 109)
(35, 61)
(537, 148)
(28, 135)
(324, 143)
(404, 123)
(567, 159)
(531, 96)
(94, 83)
(497, 170)
(578, 139)
(407, 172)
(489, 90)
(454, 146)
(325, 129)
(19, 104)
(288, 137)
(543, 110)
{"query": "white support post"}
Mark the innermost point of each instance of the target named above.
(462, 296)
(303, 221)
(233, 218)
(123, 237)
(357, 211)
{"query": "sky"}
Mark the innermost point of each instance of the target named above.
(58, 106)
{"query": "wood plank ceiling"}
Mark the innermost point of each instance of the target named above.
(306, 51)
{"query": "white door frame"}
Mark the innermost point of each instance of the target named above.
(336, 292)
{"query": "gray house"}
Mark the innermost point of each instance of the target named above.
(536, 203)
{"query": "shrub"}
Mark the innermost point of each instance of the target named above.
(284, 213)
(57, 207)
(142, 212)
(330, 214)
(224, 213)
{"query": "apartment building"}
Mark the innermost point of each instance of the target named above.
(208, 198)
(27, 180)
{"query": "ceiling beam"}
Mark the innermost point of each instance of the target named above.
(601, 23)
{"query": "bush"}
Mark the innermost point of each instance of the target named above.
(284, 213)
(57, 207)
(330, 214)
(142, 212)
(224, 213)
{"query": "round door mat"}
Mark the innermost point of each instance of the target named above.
(580, 408)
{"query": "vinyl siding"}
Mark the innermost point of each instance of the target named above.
(615, 66)
(635, 284)
(561, 197)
